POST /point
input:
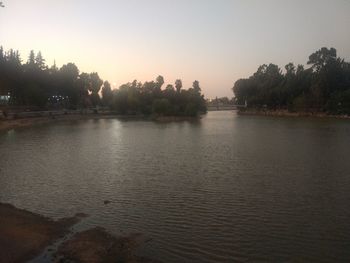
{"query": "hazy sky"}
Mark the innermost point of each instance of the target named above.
(213, 41)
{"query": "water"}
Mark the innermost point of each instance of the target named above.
(227, 188)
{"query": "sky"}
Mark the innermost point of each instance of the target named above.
(213, 41)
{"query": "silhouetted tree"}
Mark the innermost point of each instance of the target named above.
(107, 94)
(36, 85)
(196, 87)
(178, 85)
(160, 82)
(323, 87)
(40, 61)
(95, 87)
(31, 58)
(147, 98)
(321, 57)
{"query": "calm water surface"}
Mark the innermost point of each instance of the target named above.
(225, 189)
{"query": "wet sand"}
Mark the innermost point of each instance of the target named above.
(25, 235)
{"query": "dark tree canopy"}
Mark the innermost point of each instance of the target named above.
(147, 98)
(322, 57)
(35, 85)
(324, 87)
(40, 61)
(31, 58)
(107, 94)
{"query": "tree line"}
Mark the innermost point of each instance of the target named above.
(149, 97)
(34, 84)
(323, 87)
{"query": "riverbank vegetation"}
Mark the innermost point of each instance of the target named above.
(35, 85)
(323, 87)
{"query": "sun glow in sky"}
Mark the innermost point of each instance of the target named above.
(215, 42)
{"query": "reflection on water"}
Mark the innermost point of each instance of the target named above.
(227, 188)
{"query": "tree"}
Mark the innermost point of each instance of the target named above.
(161, 106)
(96, 82)
(69, 84)
(196, 87)
(290, 69)
(178, 85)
(169, 88)
(321, 57)
(2, 55)
(323, 87)
(40, 61)
(107, 94)
(31, 58)
(83, 85)
(54, 68)
(95, 87)
(160, 82)
(34, 84)
(69, 72)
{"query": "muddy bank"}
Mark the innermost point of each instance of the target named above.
(25, 236)
(97, 246)
(286, 113)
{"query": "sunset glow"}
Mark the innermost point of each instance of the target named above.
(215, 42)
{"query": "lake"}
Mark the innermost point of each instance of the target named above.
(227, 188)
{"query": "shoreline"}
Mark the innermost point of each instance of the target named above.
(176, 118)
(286, 113)
(9, 124)
(25, 236)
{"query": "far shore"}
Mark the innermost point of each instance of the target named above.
(25, 236)
(286, 113)
(8, 124)
(11, 123)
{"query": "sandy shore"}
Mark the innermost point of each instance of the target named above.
(25, 235)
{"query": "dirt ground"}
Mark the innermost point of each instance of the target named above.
(25, 235)
(98, 246)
